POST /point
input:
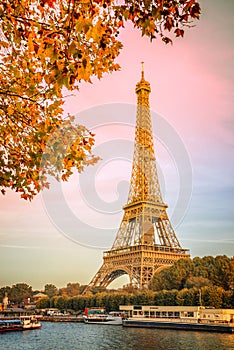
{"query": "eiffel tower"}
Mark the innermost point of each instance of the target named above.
(145, 241)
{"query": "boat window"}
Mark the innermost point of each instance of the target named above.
(137, 307)
(190, 314)
(146, 313)
(177, 314)
(158, 314)
(170, 314)
(152, 314)
(164, 314)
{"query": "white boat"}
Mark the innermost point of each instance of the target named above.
(197, 318)
(30, 322)
(98, 316)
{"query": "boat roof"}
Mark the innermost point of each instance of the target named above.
(10, 321)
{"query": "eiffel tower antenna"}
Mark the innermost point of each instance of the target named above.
(145, 241)
(142, 70)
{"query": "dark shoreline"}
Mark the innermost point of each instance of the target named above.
(62, 319)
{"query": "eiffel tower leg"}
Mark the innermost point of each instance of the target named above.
(105, 275)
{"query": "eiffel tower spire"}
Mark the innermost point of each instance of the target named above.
(144, 180)
(145, 241)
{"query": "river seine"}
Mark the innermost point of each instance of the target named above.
(79, 336)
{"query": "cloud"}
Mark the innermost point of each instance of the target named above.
(18, 246)
(217, 241)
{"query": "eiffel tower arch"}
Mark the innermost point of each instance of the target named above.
(145, 241)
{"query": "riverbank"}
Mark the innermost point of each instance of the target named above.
(62, 319)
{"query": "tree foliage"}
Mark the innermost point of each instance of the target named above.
(196, 273)
(17, 293)
(46, 45)
(72, 289)
(211, 297)
(51, 290)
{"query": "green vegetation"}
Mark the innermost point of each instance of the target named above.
(207, 281)
(211, 296)
(197, 273)
(17, 292)
(51, 290)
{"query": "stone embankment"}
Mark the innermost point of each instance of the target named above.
(62, 319)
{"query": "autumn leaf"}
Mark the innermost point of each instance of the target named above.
(46, 45)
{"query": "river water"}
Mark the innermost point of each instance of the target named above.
(79, 336)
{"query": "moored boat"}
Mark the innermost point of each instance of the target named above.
(98, 316)
(11, 325)
(19, 324)
(30, 322)
(179, 317)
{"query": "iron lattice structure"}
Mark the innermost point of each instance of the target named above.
(145, 241)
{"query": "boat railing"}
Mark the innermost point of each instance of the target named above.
(165, 319)
(176, 319)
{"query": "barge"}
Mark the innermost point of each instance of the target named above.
(192, 318)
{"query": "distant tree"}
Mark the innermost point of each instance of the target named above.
(20, 292)
(113, 301)
(188, 297)
(98, 289)
(43, 303)
(231, 274)
(144, 297)
(161, 297)
(173, 277)
(129, 288)
(51, 290)
(4, 290)
(170, 297)
(213, 296)
(227, 301)
(197, 282)
(60, 302)
(99, 299)
(79, 303)
(224, 271)
(208, 267)
(72, 289)
(70, 304)
(196, 273)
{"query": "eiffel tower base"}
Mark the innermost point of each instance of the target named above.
(139, 262)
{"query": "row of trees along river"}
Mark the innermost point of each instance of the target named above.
(207, 281)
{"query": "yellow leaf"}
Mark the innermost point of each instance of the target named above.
(4, 44)
(10, 110)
